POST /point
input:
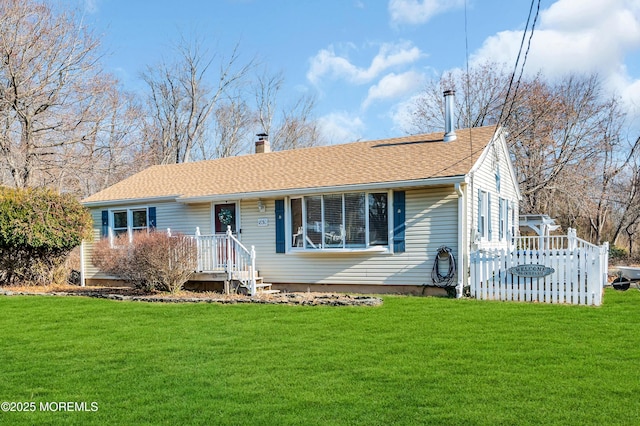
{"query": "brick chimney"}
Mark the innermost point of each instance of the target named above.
(262, 144)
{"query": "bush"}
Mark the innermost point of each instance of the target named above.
(38, 229)
(152, 261)
(617, 253)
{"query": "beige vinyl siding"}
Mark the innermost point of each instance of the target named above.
(91, 271)
(484, 179)
(180, 218)
(184, 218)
(431, 221)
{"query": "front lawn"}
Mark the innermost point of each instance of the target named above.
(410, 361)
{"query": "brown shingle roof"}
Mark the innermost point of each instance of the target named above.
(390, 160)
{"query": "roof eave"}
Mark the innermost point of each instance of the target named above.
(142, 200)
(447, 180)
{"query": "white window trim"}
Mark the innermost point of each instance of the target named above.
(504, 212)
(388, 248)
(485, 217)
(130, 228)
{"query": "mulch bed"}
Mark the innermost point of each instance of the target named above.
(136, 295)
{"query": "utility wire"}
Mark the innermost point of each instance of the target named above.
(472, 152)
(515, 67)
(466, 52)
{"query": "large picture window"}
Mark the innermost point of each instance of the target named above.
(340, 221)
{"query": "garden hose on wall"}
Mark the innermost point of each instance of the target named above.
(445, 254)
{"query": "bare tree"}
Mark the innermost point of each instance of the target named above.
(625, 197)
(553, 129)
(480, 96)
(295, 127)
(234, 127)
(566, 140)
(113, 152)
(181, 101)
(50, 77)
(612, 160)
(266, 89)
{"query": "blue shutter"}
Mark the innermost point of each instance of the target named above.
(513, 219)
(501, 219)
(280, 234)
(489, 215)
(152, 218)
(105, 224)
(480, 221)
(398, 221)
(507, 220)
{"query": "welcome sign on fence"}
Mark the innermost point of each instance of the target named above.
(532, 270)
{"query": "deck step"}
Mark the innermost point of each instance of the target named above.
(269, 292)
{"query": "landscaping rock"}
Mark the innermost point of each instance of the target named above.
(128, 294)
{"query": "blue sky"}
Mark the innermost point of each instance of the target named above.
(365, 59)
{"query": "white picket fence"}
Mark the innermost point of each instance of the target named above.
(577, 271)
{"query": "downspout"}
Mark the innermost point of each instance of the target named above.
(461, 245)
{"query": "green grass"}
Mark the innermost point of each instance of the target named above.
(410, 361)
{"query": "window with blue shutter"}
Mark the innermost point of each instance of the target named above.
(127, 221)
(280, 228)
(399, 221)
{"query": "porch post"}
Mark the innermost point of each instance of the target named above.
(571, 237)
(228, 260)
(199, 260)
(253, 271)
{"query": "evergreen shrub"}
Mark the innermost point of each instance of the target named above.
(38, 229)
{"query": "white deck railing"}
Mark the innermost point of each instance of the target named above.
(576, 274)
(225, 253)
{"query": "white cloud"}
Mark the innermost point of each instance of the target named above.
(393, 86)
(419, 11)
(91, 6)
(402, 115)
(575, 36)
(630, 93)
(572, 37)
(341, 127)
(328, 63)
